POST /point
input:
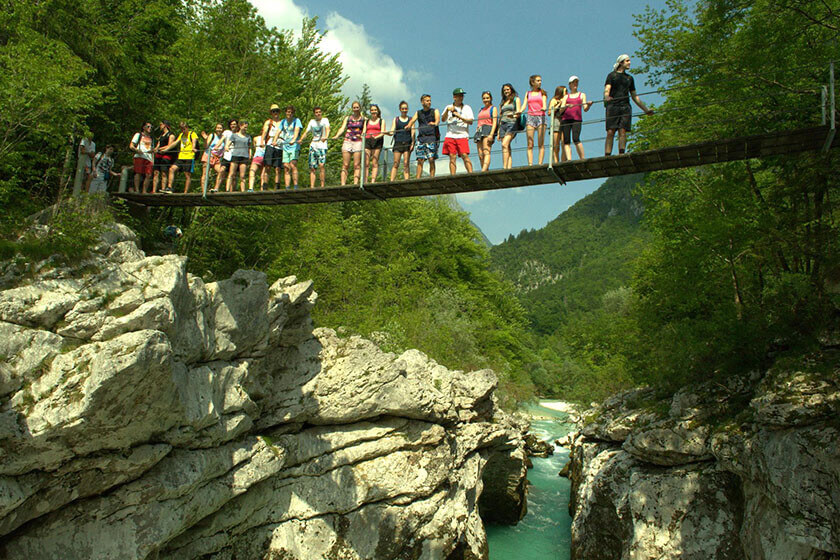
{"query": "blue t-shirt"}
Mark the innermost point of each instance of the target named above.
(287, 130)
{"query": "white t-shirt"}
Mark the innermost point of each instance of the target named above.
(319, 133)
(226, 136)
(144, 147)
(90, 147)
(456, 128)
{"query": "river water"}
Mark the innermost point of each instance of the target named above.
(545, 531)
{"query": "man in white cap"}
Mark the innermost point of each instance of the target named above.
(618, 89)
(458, 118)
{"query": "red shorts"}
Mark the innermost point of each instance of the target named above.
(142, 166)
(456, 146)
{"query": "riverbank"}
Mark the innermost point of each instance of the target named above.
(561, 406)
(551, 409)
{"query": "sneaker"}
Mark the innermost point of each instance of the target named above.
(167, 190)
(294, 188)
(250, 190)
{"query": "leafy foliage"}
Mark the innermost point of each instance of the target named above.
(70, 68)
(746, 252)
(72, 227)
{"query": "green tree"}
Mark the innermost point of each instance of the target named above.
(365, 98)
(745, 253)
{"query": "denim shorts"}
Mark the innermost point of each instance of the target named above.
(507, 127)
(426, 150)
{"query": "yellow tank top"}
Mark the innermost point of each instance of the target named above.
(188, 144)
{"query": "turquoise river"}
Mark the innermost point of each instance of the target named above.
(545, 532)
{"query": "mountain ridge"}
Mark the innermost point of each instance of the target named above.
(571, 262)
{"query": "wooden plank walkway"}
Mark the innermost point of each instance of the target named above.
(701, 153)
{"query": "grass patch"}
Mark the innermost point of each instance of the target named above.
(73, 226)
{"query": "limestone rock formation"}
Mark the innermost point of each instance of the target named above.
(146, 414)
(748, 468)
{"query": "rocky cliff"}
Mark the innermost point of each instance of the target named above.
(745, 469)
(146, 414)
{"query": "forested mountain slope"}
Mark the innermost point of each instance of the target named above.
(570, 263)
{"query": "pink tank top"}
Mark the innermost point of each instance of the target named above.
(573, 106)
(373, 128)
(485, 116)
(535, 105)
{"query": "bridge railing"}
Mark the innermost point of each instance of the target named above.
(824, 106)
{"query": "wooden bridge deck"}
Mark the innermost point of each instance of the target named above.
(701, 153)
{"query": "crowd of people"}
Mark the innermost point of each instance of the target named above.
(237, 157)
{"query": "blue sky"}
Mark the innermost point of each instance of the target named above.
(404, 49)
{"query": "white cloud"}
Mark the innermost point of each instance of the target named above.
(363, 59)
(282, 14)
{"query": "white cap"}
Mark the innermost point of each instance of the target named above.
(573, 79)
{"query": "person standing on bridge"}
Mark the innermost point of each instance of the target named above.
(224, 163)
(290, 141)
(143, 147)
(374, 133)
(239, 145)
(213, 150)
(575, 104)
(403, 142)
(618, 89)
(353, 127)
(258, 164)
(556, 108)
(187, 145)
(273, 153)
(102, 164)
(509, 109)
(428, 134)
(536, 101)
(458, 117)
(485, 132)
(84, 170)
(320, 129)
(163, 158)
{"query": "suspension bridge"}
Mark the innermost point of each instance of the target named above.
(793, 141)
